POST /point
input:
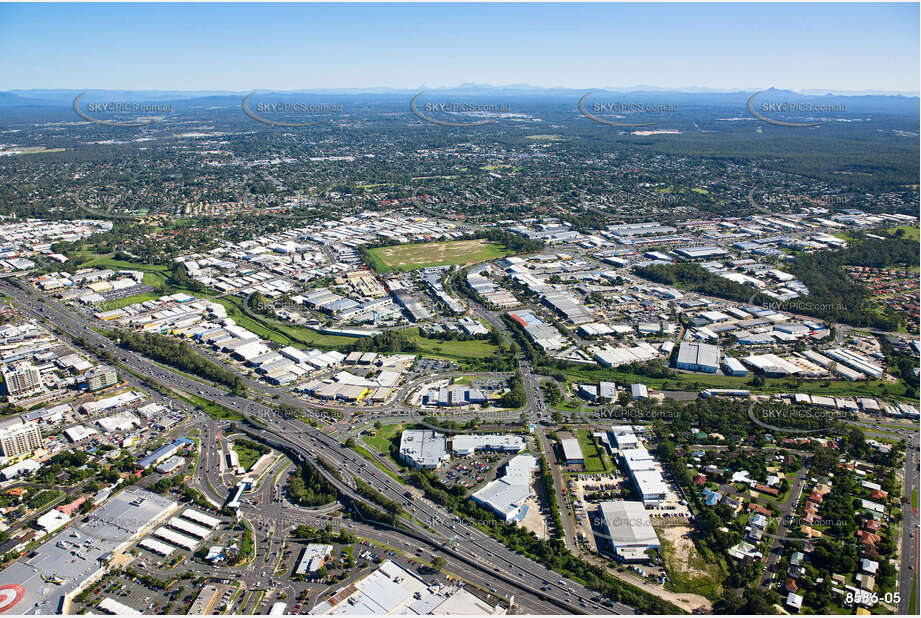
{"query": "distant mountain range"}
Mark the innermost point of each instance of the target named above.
(856, 101)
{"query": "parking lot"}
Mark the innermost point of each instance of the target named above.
(473, 470)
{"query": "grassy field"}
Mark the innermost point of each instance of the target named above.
(595, 461)
(452, 350)
(382, 437)
(154, 274)
(688, 570)
(401, 258)
(700, 381)
(247, 455)
(128, 300)
(213, 410)
(912, 232)
(280, 333)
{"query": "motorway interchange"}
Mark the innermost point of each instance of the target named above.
(470, 553)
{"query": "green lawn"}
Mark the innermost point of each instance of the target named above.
(912, 232)
(700, 381)
(108, 261)
(914, 498)
(400, 258)
(247, 455)
(382, 437)
(281, 333)
(452, 350)
(128, 300)
(213, 410)
(595, 461)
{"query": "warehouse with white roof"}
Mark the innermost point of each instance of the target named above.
(506, 495)
(423, 448)
(627, 531)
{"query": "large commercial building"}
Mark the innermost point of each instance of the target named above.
(453, 396)
(393, 590)
(627, 530)
(20, 439)
(506, 496)
(694, 356)
(164, 452)
(546, 336)
(699, 253)
(646, 477)
(22, 379)
(423, 448)
(79, 554)
(467, 444)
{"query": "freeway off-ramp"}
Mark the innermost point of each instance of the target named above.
(478, 550)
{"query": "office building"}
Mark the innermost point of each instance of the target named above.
(22, 379)
(101, 377)
(20, 439)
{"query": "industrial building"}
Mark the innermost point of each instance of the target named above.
(700, 253)
(164, 452)
(694, 356)
(467, 444)
(546, 336)
(646, 477)
(314, 556)
(732, 367)
(572, 451)
(79, 554)
(639, 391)
(423, 448)
(771, 365)
(627, 530)
(393, 590)
(452, 396)
(118, 422)
(506, 495)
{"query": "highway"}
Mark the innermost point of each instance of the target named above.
(476, 548)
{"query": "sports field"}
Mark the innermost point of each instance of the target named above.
(413, 257)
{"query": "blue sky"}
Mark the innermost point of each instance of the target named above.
(283, 46)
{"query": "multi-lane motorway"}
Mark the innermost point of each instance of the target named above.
(461, 541)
